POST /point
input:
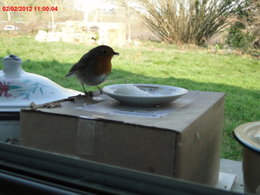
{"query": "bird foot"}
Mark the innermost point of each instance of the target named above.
(89, 93)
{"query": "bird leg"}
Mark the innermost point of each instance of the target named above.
(90, 93)
(100, 90)
(84, 88)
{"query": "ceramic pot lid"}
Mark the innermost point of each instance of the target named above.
(19, 88)
(248, 134)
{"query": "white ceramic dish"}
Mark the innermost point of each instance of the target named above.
(153, 94)
(19, 88)
(249, 135)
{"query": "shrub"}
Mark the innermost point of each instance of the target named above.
(245, 32)
(238, 37)
(187, 21)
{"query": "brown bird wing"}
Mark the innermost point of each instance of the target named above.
(85, 58)
(73, 69)
(80, 64)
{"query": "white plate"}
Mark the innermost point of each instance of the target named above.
(249, 135)
(154, 94)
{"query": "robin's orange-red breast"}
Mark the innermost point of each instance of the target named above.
(93, 68)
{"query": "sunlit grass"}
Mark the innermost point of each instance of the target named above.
(195, 69)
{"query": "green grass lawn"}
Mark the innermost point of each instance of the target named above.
(195, 69)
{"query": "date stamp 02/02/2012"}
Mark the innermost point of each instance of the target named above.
(28, 8)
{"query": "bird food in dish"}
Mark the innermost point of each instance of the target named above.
(131, 90)
(143, 94)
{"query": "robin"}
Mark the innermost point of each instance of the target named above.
(93, 68)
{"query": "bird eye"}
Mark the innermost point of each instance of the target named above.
(105, 51)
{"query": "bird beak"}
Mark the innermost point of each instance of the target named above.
(116, 53)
